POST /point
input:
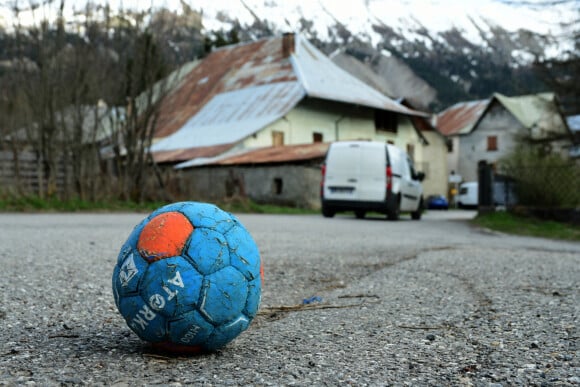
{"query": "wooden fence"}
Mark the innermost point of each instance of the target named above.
(23, 173)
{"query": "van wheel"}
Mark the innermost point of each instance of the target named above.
(416, 215)
(327, 212)
(395, 210)
(360, 214)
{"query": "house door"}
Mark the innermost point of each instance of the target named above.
(277, 138)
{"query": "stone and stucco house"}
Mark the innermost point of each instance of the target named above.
(256, 119)
(488, 130)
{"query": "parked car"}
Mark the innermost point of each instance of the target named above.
(437, 202)
(364, 176)
(468, 195)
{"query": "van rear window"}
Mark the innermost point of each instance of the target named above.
(343, 159)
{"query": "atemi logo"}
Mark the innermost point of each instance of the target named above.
(128, 271)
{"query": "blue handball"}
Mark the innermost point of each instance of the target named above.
(188, 278)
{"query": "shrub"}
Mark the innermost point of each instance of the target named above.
(543, 180)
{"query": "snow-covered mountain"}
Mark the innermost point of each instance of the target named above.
(532, 26)
(426, 22)
(433, 52)
(441, 50)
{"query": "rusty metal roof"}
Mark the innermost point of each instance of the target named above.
(266, 155)
(533, 110)
(238, 90)
(170, 156)
(225, 69)
(233, 115)
(461, 117)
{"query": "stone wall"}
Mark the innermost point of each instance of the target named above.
(295, 185)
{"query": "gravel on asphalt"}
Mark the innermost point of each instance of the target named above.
(429, 303)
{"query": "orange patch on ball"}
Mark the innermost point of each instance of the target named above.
(164, 236)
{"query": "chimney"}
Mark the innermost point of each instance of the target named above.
(288, 44)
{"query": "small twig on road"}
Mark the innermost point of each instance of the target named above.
(424, 327)
(158, 357)
(359, 296)
(64, 336)
(303, 307)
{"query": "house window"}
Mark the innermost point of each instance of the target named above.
(277, 138)
(491, 143)
(277, 185)
(317, 137)
(449, 143)
(385, 121)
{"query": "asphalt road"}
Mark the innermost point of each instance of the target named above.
(434, 302)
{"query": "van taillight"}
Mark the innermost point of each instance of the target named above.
(323, 172)
(389, 173)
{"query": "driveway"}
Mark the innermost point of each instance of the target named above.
(430, 302)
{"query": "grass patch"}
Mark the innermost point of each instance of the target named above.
(520, 225)
(247, 206)
(36, 204)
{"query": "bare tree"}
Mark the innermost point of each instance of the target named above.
(84, 83)
(140, 67)
(41, 95)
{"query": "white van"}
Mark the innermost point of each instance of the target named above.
(363, 176)
(502, 194)
(468, 195)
